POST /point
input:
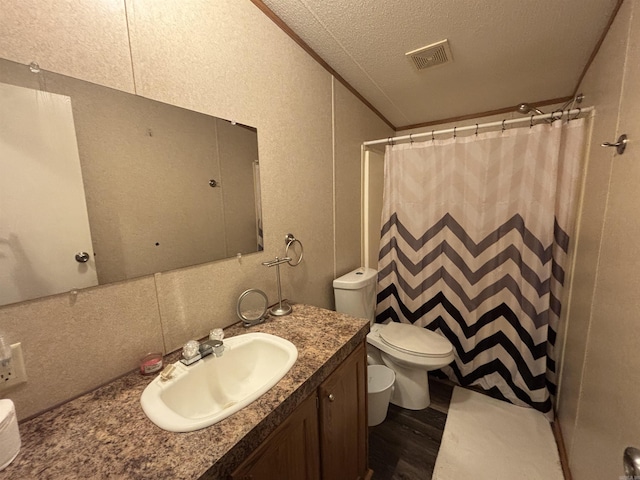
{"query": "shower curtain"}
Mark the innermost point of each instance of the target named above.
(475, 233)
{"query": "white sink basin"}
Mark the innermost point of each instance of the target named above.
(210, 390)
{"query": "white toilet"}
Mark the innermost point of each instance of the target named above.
(410, 351)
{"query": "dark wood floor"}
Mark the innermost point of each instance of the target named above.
(405, 445)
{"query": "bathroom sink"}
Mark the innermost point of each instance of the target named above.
(210, 390)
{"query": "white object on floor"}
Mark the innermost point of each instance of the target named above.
(488, 439)
(379, 390)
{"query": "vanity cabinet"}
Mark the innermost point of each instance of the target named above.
(291, 452)
(325, 438)
(343, 419)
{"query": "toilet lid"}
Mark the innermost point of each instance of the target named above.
(415, 340)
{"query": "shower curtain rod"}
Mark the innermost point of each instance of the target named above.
(557, 115)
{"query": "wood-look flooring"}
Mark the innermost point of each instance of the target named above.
(405, 445)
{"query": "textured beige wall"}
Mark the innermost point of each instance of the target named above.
(599, 397)
(356, 124)
(74, 342)
(84, 39)
(227, 59)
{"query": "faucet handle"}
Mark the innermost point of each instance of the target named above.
(216, 334)
(191, 352)
(190, 349)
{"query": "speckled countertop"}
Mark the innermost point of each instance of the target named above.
(105, 433)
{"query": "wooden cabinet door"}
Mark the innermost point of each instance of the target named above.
(343, 420)
(290, 453)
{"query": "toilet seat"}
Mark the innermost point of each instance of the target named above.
(415, 340)
(411, 352)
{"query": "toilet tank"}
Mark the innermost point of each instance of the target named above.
(355, 293)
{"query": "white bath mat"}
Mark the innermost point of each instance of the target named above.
(488, 439)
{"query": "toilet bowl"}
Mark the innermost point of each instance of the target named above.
(410, 351)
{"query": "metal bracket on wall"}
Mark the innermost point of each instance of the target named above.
(631, 462)
(620, 145)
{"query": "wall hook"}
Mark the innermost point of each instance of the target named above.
(620, 145)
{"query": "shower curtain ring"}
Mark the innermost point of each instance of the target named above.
(531, 122)
(454, 132)
(476, 129)
(503, 127)
(577, 114)
(390, 141)
(433, 139)
(411, 139)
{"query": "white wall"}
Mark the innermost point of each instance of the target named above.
(372, 199)
(599, 399)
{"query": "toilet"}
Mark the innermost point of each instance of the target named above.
(410, 351)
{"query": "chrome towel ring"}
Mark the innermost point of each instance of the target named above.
(291, 240)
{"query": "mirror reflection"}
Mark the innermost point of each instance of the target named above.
(99, 186)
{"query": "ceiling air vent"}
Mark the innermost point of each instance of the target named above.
(437, 53)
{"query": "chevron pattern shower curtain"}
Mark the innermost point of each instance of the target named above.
(474, 245)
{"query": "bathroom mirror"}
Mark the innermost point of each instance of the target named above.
(252, 306)
(100, 186)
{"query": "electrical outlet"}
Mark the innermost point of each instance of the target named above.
(12, 372)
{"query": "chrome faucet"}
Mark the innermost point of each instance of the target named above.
(216, 348)
(194, 351)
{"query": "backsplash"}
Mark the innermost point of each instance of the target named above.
(75, 342)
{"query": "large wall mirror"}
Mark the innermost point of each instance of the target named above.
(99, 186)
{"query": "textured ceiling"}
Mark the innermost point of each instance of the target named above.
(505, 52)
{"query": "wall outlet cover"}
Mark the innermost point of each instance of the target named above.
(13, 372)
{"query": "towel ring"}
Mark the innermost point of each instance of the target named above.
(291, 240)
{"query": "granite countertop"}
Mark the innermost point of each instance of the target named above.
(105, 433)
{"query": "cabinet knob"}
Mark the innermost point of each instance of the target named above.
(332, 397)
